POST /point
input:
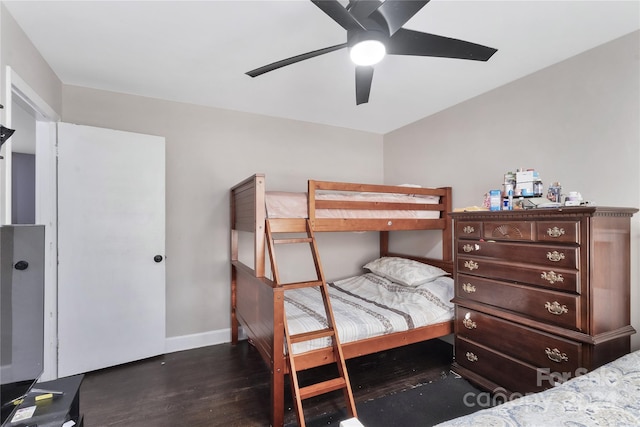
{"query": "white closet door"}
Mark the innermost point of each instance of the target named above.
(111, 233)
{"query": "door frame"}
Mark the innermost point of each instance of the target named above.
(46, 200)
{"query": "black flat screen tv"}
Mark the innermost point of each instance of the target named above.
(21, 313)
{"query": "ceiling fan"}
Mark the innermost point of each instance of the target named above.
(374, 28)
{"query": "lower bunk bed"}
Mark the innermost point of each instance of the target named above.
(606, 396)
(399, 300)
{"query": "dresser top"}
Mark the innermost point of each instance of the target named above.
(547, 212)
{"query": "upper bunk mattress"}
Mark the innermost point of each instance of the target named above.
(367, 306)
(282, 204)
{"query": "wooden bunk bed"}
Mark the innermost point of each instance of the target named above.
(257, 303)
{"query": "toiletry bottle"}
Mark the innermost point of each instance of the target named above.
(537, 188)
(554, 193)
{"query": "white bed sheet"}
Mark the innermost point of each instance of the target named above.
(281, 204)
(368, 306)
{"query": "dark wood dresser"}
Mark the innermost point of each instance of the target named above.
(541, 295)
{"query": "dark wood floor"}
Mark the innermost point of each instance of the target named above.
(226, 385)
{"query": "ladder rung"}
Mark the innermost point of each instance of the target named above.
(308, 336)
(293, 240)
(298, 285)
(322, 388)
(299, 228)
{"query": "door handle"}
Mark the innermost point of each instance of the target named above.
(21, 265)
(158, 258)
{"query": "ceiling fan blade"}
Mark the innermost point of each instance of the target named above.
(361, 9)
(409, 42)
(338, 13)
(293, 60)
(398, 12)
(364, 76)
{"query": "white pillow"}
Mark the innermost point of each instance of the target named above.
(405, 271)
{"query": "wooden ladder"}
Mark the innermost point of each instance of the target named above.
(341, 382)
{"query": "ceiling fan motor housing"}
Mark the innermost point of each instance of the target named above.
(355, 37)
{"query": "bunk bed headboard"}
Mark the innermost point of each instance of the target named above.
(248, 213)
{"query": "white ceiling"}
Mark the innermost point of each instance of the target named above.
(197, 52)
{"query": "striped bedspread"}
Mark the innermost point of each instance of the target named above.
(368, 306)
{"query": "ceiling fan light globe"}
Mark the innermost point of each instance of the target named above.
(367, 52)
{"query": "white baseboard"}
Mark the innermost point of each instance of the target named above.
(188, 342)
(220, 336)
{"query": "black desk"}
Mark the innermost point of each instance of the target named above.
(58, 410)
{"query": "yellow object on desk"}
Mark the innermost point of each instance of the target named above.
(44, 397)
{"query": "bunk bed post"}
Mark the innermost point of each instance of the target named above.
(261, 216)
(277, 360)
(311, 201)
(234, 319)
(447, 231)
(384, 243)
(234, 279)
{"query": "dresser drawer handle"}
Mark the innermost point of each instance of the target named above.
(556, 308)
(555, 355)
(555, 256)
(467, 248)
(471, 265)
(471, 357)
(468, 288)
(468, 323)
(552, 277)
(555, 232)
(468, 229)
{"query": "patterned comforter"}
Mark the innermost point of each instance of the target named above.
(607, 396)
(367, 306)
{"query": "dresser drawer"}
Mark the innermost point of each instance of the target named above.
(542, 350)
(469, 229)
(504, 230)
(508, 372)
(546, 255)
(555, 308)
(558, 231)
(548, 277)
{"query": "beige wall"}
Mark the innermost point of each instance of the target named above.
(577, 122)
(209, 150)
(18, 52)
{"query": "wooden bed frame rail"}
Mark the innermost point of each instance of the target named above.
(258, 304)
